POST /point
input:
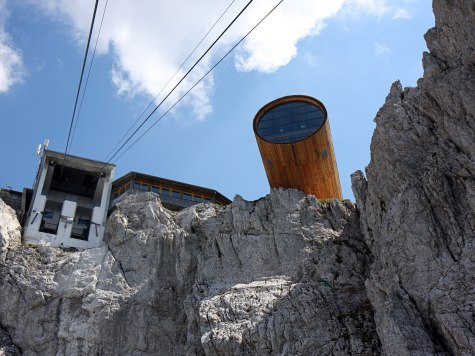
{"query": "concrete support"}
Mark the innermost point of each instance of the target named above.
(66, 221)
(32, 227)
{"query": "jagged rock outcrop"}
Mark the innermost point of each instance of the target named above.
(10, 236)
(417, 202)
(239, 280)
(10, 230)
(52, 301)
(282, 275)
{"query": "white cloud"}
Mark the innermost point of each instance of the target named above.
(380, 49)
(149, 39)
(401, 14)
(274, 43)
(374, 7)
(11, 64)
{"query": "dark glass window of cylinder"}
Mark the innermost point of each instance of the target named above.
(290, 122)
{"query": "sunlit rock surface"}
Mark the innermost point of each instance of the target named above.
(284, 274)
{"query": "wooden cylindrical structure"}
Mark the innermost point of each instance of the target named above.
(293, 135)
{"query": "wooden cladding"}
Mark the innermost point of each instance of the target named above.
(303, 158)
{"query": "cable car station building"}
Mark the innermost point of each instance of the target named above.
(70, 201)
(173, 195)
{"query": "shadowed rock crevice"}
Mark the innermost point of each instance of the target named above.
(7, 347)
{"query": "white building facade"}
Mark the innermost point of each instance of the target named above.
(70, 202)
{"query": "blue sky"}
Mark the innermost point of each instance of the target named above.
(346, 53)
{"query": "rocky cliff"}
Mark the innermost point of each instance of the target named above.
(417, 203)
(286, 274)
(282, 275)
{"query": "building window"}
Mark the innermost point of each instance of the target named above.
(47, 224)
(207, 200)
(121, 190)
(165, 192)
(197, 198)
(50, 217)
(290, 122)
(141, 186)
(176, 194)
(187, 196)
(155, 189)
(80, 229)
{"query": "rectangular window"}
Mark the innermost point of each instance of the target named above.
(124, 188)
(81, 224)
(155, 189)
(50, 217)
(80, 231)
(141, 186)
(176, 194)
(207, 200)
(197, 198)
(187, 196)
(165, 192)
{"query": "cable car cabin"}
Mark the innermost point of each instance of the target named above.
(294, 139)
(173, 195)
(70, 201)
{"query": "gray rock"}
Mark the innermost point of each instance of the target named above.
(282, 275)
(10, 229)
(52, 300)
(7, 348)
(418, 203)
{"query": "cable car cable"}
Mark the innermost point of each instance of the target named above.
(209, 71)
(169, 80)
(181, 80)
(88, 74)
(80, 79)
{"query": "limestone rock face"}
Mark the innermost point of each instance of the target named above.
(282, 275)
(417, 202)
(10, 229)
(53, 301)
